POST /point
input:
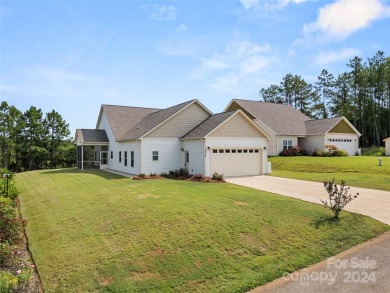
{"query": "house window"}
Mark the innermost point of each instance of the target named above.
(112, 154)
(132, 158)
(251, 151)
(155, 155)
(287, 144)
(215, 151)
(120, 157)
(233, 151)
(125, 158)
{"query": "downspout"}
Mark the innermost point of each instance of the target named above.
(140, 156)
(205, 156)
(82, 157)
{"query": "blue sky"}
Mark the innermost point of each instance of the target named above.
(73, 56)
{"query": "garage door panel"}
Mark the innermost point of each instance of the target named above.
(236, 162)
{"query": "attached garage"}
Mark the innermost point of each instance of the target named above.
(348, 144)
(228, 143)
(236, 162)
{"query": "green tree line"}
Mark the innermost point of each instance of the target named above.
(33, 140)
(361, 94)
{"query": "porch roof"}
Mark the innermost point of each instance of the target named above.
(91, 137)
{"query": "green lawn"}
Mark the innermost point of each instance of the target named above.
(98, 232)
(357, 171)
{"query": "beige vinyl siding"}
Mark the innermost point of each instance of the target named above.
(237, 126)
(342, 127)
(181, 123)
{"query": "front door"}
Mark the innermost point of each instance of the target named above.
(103, 160)
(187, 160)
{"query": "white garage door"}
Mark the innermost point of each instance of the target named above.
(236, 162)
(346, 144)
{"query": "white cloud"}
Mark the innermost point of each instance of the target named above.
(343, 17)
(240, 64)
(181, 28)
(164, 13)
(334, 56)
(269, 4)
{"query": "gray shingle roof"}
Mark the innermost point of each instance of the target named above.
(123, 118)
(208, 125)
(92, 135)
(314, 127)
(151, 121)
(286, 120)
(282, 119)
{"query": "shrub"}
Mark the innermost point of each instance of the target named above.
(8, 282)
(5, 252)
(341, 153)
(141, 175)
(198, 177)
(217, 177)
(294, 151)
(339, 196)
(330, 151)
(152, 174)
(10, 224)
(163, 174)
(373, 151)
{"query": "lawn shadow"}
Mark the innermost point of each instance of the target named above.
(325, 221)
(103, 174)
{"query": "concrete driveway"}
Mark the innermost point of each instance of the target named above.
(370, 202)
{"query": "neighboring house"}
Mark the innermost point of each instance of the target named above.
(387, 146)
(143, 140)
(288, 127)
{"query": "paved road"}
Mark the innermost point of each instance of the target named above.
(373, 203)
(363, 268)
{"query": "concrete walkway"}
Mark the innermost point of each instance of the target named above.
(370, 202)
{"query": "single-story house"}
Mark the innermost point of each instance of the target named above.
(288, 127)
(146, 140)
(387, 146)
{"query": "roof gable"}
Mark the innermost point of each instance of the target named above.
(330, 125)
(156, 119)
(218, 122)
(282, 119)
(123, 118)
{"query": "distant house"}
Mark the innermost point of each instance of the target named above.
(288, 127)
(146, 140)
(387, 146)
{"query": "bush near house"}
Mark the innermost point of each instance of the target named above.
(330, 151)
(373, 151)
(293, 151)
